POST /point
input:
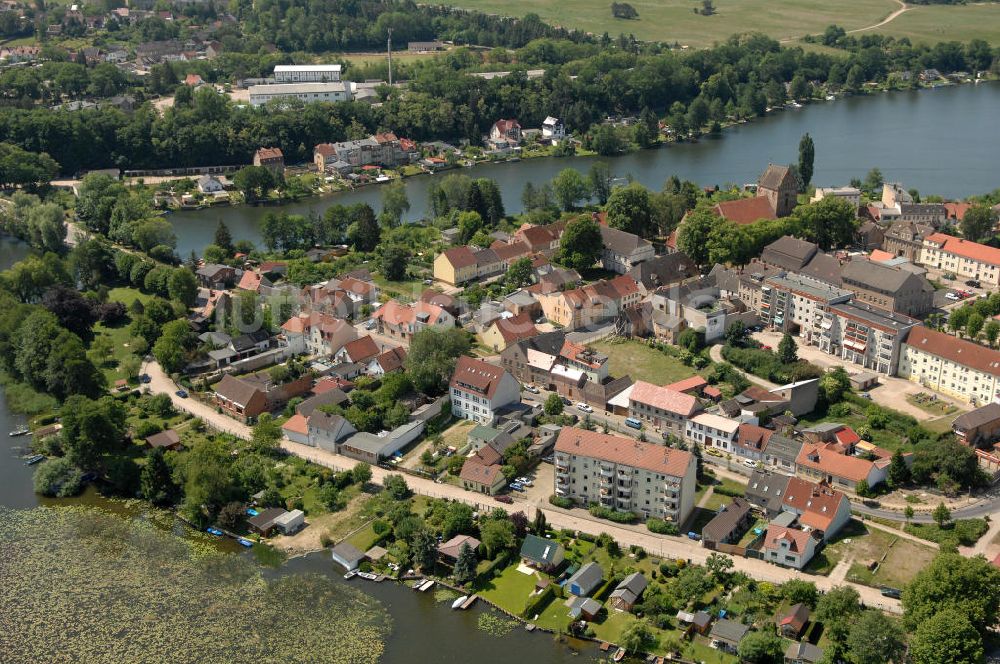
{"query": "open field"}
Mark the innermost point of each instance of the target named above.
(933, 23)
(641, 362)
(675, 20)
(903, 558)
(380, 58)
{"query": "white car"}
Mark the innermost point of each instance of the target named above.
(749, 463)
(584, 407)
(531, 388)
(952, 296)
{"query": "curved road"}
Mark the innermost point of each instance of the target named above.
(903, 7)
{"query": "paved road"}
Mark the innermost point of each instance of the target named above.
(576, 519)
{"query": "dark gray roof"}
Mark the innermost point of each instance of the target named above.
(823, 267)
(978, 417)
(336, 396)
(783, 447)
(923, 208)
(665, 269)
(587, 577)
(883, 278)
(235, 389)
(803, 651)
(775, 177)
(549, 342)
(723, 524)
(789, 253)
(621, 242)
(250, 339)
(265, 518)
(539, 550)
(634, 582)
(729, 630)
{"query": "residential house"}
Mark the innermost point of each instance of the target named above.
(803, 652)
(585, 580)
(627, 593)
(240, 399)
(539, 239)
(978, 428)
(664, 270)
(360, 351)
(932, 214)
(462, 264)
(540, 553)
(956, 367)
(625, 474)
(553, 129)
(828, 462)
(782, 453)
(324, 394)
(167, 439)
(264, 522)
(963, 258)
(788, 547)
(387, 362)
(483, 472)
(665, 410)
(789, 253)
(906, 240)
(583, 608)
(219, 277)
(710, 430)
(850, 195)
(450, 550)
(327, 431)
(479, 390)
(819, 508)
(887, 287)
(793, 621)
(505, 133)
(751, 441)
(296, 429)
(273, 159)
(401, 321)
(507, 330)
(728, 526)
(590, 304)
(726, 635)
(766, 492)
(208, 184)
(318, 334)
(622, 251)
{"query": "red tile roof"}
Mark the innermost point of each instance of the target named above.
(956, 211)
(965, 248)
(474, 470)
(361, 349)
(296, 424)
(265, 154)
(516, 328)
(325, 149)
(798, 539)
(392, 359)
(460, 257)
(624, 451)
(664, 398)
(745, 210)
(823, 458)
(693, 384)
(956, 350)
(753, 437)
(817, 504)
(479, 376)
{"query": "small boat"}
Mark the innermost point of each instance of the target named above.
(619, 655)
(368, 575)
(32, 460)
(20, 431)
(351, 574)
(830, 97)
(212, 530)
(459, 602)
(243, 541)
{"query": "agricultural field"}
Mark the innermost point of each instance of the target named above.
(677, 21)
(933, 23)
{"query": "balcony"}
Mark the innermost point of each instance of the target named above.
(607, 501)
(624, 490)
(607, 472)
(562, 464)
(623, 475)
(562, 479)
(606, 492)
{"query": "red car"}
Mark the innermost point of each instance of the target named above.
(766, 347)
(504, 499)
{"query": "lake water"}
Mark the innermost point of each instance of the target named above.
(422, 630)
(943, 141)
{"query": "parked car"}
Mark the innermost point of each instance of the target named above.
(531, 388)
(952, 296)
(890, 592)
(370, 325)
(517, 487)
(584, 407)
(633, 422)
(713, 452)
(749, 463)
(566, 401)
(693, 535)
(182, 394)
(145, 378)
(507, 500)
(974, 283)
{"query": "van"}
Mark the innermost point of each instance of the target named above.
(632, 422)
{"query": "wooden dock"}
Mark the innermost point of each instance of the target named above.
(425, 586)
(469, 602)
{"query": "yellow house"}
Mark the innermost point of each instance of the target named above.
(956, 367)
(456, 266)
(504, 331)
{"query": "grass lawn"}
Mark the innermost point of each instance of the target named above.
(406, 291)
(934, 23)
(717, 500)
(641, 362)
(364, 539)
(699, 518)
(674, 20)
(903, 559)
(509, 590)
(360, 59)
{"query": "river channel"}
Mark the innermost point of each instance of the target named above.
(943, 141)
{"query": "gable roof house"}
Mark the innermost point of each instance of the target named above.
(478, 390)
(318, 333)
(219, 277)
(956, 367)
(590, 304)
(483, 472)
(788, 547)
(401, 322)
(827, 463)
(505, 134)
(766, 491)
(751, 441)
(819, 508)
(887, 287)
(359, 351)
(793, 621)
(726, 634)
(729, 524)
(507, 330)
(622, 251)
(386, 362)
(664, 270)
(168, 439)
(450, 550)
(585, 580)
(239, 398)
(979, 427)
(964, 258)
(628, 592)
(541, 553)
(664, 409)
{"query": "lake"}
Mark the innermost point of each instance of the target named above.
(940, 141)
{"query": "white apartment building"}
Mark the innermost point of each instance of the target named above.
(849, 194)
(307, 73)
(709, 430)
(959, 368)
(868, 336)
(479, 389)
(624, 474)
(964, 259)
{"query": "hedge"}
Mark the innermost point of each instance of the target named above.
(661, 527)
(611, 515)
(561, 501)
(539, 602)
(499, 563)
(723, 490)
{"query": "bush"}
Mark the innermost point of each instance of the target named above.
(539, 602)
(965, 532)
(561, 501)
(611, 515)
(661, 527)
(58, 478)
(723, 490)
(147, 428)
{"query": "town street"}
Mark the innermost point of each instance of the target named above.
(576, 519)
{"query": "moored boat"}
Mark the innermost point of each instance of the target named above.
(459, 602)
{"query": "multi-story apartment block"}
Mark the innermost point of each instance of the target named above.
(865, 335)
(624, 474)
(888, 287)
(306, 73)
(590, 304)
(956, 367)
(794, 303)
(666, 410)
(478, 390)
(964, 259)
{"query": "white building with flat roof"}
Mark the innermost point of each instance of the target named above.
(307, 92)
(307, 73)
